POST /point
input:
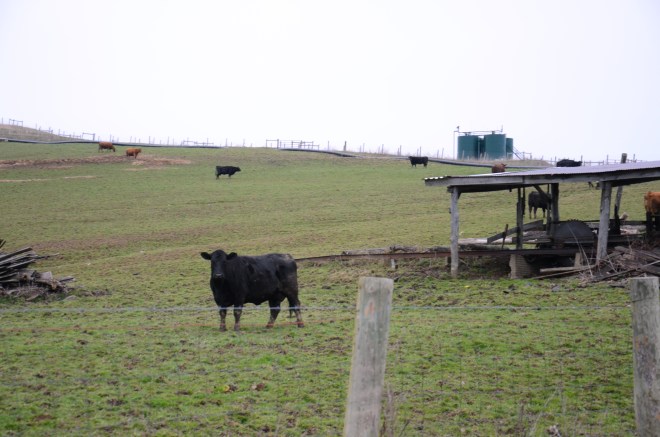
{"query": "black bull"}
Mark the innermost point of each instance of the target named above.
(414, 160)
(568, 163)
(536, 201)
(228, 170)
(237, 280)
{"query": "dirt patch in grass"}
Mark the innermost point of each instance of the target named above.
(50, 179)
(143, 161)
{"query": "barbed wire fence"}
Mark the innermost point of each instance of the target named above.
(468, 371)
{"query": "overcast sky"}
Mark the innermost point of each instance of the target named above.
(563, 78)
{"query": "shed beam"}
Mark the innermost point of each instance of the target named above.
(604, 224)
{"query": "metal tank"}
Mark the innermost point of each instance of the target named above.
(494, 146)
(468, 147)
(509, 148)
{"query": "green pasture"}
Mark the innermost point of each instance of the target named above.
(134, 348)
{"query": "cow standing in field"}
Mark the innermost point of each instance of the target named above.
(535, 201)
(134, 152)
(106, 145)
(237, 280)
(652, 202)
(652, 207)
(568, 163)
(228, 170)
(498, 168)
(414, 160)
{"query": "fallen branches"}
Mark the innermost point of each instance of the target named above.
(17, 280)
(625, 262)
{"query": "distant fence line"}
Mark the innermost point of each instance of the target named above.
(277, 143)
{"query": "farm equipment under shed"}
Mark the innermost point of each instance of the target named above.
(557, 233)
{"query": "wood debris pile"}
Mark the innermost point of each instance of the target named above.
(625, 262)
(17, 279)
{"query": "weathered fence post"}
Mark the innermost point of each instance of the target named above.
(646, 354)
(455, 194)
(365, 387)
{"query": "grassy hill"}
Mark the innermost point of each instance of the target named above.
(13, 132)
(135, 349)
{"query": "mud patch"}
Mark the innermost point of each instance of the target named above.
(142, 160)
(47, 179)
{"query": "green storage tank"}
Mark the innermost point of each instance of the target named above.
(468, 147)
(509, 148)
(494, 146)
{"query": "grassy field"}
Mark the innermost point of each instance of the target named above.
(134, 348)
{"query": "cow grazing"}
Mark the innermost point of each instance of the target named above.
(498, 168)
(106, 145)
(228, 170)
(568, 163)
(535, 201)
(414, 160)
(134, 151)
(237, 280)
(652, 202)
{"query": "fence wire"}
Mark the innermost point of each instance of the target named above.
(500, 370)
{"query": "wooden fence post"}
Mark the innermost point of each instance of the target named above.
(455, 194)
(646, 354)
(365, 387)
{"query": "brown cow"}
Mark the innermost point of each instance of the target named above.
(652, 202)
(106, 145)
(498, 168)
(135, 151)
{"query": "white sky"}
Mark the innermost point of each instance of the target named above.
(564, 78)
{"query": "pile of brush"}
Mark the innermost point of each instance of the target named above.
(17, 279)
(625, 262)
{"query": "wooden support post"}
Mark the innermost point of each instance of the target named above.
(365, 387)
(646, 354)
(619, 190)
(554, 208)
(455, 194)
(520, 212)
(604, 224)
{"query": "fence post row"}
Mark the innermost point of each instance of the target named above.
(646, 354)
(365, 388)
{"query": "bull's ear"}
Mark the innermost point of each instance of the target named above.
(232, 255)
(205, 255)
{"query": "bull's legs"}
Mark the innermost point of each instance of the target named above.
(274, 311)
(294, 305)
(238, 310)
(223, 316)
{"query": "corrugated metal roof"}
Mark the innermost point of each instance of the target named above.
(619, 174)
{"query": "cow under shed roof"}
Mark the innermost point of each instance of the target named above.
(614, 175)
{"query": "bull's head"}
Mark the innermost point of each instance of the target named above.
(218, 263)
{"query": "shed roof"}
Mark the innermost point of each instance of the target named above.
(617, 174)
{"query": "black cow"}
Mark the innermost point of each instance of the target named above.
(228, 170)
(237, 280)
(568, 163)
(414, 160)
(536, 201)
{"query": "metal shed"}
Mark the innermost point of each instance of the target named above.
(609, 176)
